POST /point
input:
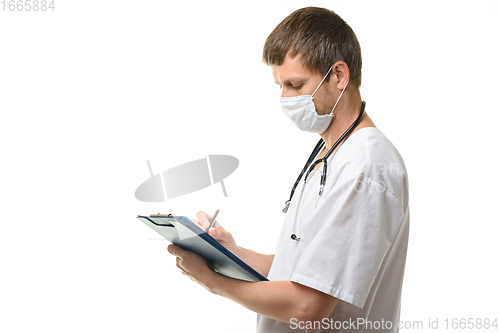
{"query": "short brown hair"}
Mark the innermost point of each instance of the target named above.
(320, 36)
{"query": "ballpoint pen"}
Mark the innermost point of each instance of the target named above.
(212, 221)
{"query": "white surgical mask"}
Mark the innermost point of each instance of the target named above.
(301, 110)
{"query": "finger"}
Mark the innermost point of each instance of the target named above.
(216, 225)
(220, 234)
(178, 262)
(197, 222)
(183, 271)
(204, 219)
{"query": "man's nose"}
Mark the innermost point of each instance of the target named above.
(285, 92)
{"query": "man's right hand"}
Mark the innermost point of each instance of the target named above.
(217, 232)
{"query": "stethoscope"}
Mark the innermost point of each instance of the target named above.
(311, 167)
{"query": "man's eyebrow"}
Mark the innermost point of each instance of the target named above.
(292, 79)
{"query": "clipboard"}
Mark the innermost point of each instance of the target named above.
(181, 231)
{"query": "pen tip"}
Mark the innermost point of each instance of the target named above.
(217, 210)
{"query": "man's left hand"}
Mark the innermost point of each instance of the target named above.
(194, 266)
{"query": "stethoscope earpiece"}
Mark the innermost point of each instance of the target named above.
(294, 237)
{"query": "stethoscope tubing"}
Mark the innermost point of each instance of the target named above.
(309, 167)
(336, 144)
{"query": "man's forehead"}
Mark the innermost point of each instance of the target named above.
(292, 68)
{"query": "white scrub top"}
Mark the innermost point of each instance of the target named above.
(354, 242)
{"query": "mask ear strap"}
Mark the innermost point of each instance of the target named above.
(339, 97)
(324, 77)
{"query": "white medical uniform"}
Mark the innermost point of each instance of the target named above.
(354, 242)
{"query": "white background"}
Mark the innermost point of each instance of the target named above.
(92, 90)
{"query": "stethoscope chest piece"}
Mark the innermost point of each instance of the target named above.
(287, 204)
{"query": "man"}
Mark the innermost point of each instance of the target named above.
(340, 257)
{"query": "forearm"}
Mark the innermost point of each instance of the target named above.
(260, 262)
(280, 300)
(274, 299)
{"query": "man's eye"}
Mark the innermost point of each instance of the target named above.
(297, 86)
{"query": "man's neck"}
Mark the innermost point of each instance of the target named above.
(345, 113)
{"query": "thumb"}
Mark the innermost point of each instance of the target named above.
(175, 250)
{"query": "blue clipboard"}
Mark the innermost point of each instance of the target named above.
(181, 231)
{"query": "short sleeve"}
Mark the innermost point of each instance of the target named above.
(346, 239)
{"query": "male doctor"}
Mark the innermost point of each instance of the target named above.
(340, 258)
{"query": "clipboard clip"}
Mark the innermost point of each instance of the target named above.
(160, 215)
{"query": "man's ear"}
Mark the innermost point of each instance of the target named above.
(340, 75)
